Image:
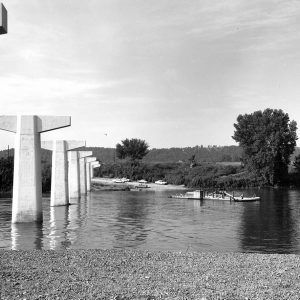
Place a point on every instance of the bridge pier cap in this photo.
(27, 183)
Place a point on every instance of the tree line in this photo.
(267, 140)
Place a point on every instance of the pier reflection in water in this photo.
(25, 236)
(152, 221)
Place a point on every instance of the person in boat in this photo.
(242, 196)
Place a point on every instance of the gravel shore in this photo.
(124, 275)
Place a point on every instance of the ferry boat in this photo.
(220, 195)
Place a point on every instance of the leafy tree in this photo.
(192, 161)
(268, 139)
(133, 149)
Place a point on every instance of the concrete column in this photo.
(94, 165)
(88, 160)
(3, 19)
(27, 186)
(59, 175)
(73, 172)
(82, 170)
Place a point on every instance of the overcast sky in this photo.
(175, 73)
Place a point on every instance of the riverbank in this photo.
(109, 182)
(124, 275)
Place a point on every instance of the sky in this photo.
(174, 73)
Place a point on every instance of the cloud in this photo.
(25, 95)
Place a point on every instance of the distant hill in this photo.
(202, 154)
(165, 155)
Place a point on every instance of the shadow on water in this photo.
(26, 236)
(270, 226)
(131, 219)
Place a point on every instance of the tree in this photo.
(192, 161)
(268, 139)
(133, 149)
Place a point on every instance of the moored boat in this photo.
(220, 195)
(161, 182)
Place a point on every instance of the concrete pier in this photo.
(88, 162)
(82, 170)
(27, 184)
(3, 19)
(59, 175)
(94, 165)
(74, 174)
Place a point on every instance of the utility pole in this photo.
(3, 19)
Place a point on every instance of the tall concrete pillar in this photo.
(59, 175)
(73, 172)
(3, 19)
(27, 186)
(82, 170)
(88, 161)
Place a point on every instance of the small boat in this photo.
(221, 196)
(143, 181)
(124, 179)
(161, 182)
(188, 195)
(141, 186)
(118, 180)
(246, 199)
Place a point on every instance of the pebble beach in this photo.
(126, 274)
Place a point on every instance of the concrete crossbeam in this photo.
(59, 175)
(27, 184)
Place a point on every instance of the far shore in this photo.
(109, 182)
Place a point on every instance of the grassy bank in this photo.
(205, 175)
(121, 274)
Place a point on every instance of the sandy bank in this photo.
(121, 274)
(152, 186)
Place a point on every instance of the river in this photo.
(150, 220)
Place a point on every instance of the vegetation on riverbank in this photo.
(206, 175)
(7, 174)
(268, 139)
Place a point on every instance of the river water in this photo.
(150, 220)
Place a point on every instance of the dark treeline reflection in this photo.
(270, 225)
(131, 221)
